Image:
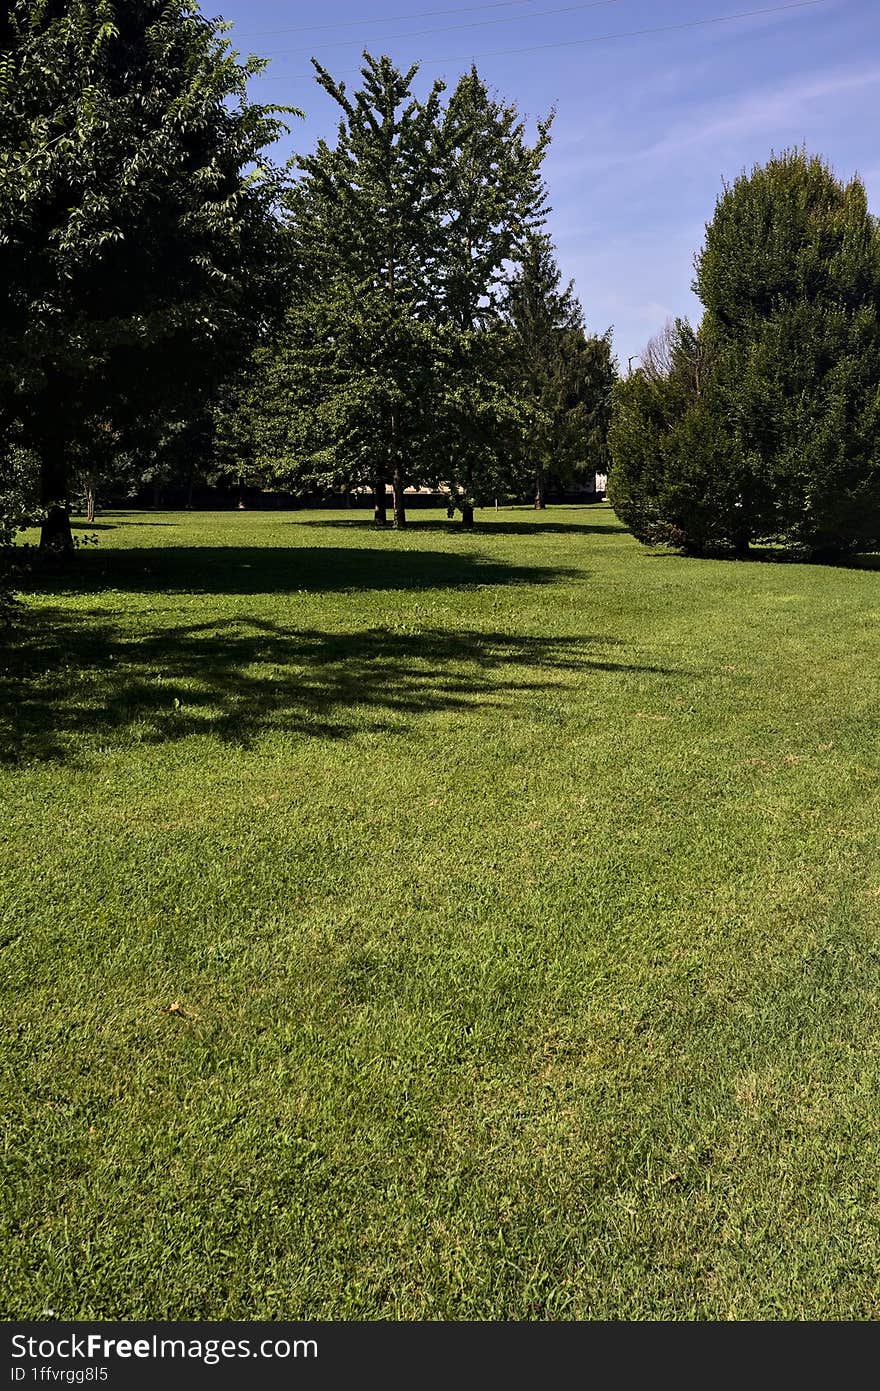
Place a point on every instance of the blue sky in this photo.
(647, 126)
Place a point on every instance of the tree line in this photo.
(384, 311)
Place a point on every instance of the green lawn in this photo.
(439, 927)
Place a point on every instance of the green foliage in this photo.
(391, 365)
(565, 376)
(18, 509)
(494, 202)
(777, 436)
(677, 476)
(337, 397)
(790, 277)
(139, 248)
(473, 443)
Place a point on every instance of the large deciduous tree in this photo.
(139, 247)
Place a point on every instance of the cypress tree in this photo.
(765, 424)
(790, 277)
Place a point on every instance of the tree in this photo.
(393, 363)
(677, 474)
(494, 201)
(139, 246)
(765, 423)
(18, 509)
(658, 355)
(790, 277)
(343, 394)
(565, 376)
(96, 463)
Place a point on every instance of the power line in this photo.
(576, 43)
(448, 28)
(383, 19)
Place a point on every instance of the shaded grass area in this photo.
(296, 569)
(530, 523)
(74, 683)
(500, 942)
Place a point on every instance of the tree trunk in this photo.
(399, 504)
(380, 502)
(55, 534)
(741, 540)
(90, 501)
(829, 554)
(467, 515)
(540, 489)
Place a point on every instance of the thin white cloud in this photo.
(781, 107)
(775, 110)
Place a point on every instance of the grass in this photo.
(439, 927)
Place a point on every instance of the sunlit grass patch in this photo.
(439, 926)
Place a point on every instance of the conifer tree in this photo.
(565, 376)
(394, 364)
(765, 423)
(493, 201)
(351, 373)
(790, 277)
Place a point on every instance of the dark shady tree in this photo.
(139, 242)
(18, 508)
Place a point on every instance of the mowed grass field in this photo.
(439, 926)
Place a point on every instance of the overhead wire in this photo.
(384, 19)
(450, 28)
(594, 38)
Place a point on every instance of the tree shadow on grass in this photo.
(273, 570)
(483, 526)
(768, 555)
(76, 684)
(80, 524)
